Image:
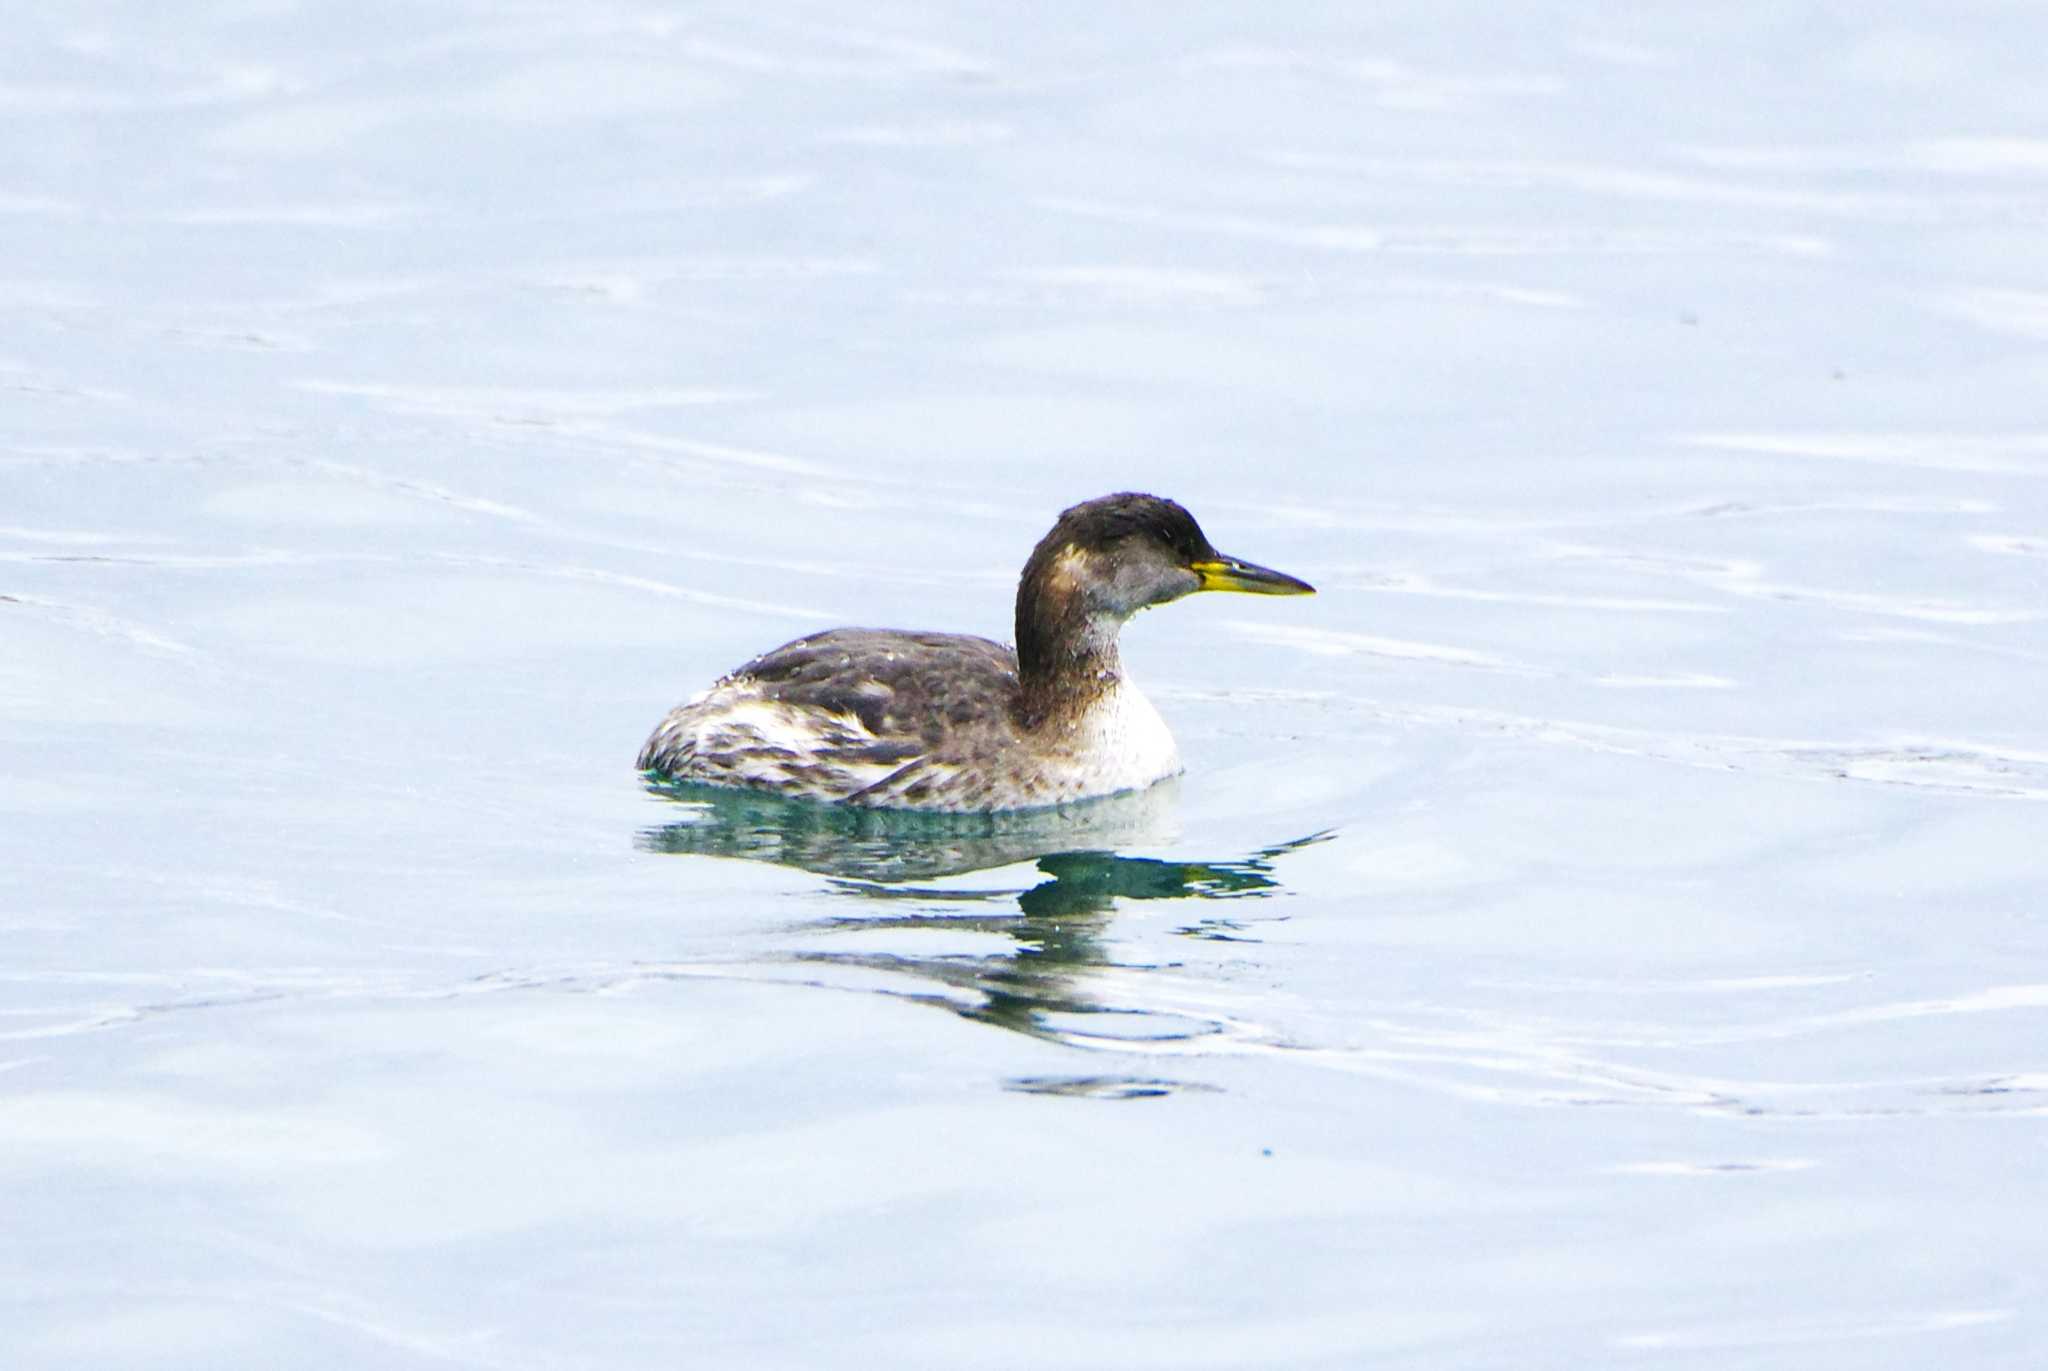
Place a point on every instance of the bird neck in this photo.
(1066, 654)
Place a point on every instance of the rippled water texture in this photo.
(1604, 927)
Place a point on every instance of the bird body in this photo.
(899, 720)
(951, 722)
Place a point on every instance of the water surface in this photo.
(1603, 927)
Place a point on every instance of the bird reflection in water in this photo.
(1058, 966)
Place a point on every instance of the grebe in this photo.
(954, 723)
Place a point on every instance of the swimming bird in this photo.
(948, 722)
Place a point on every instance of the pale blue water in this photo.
(1604, 927)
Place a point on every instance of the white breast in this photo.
(1124, 744)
